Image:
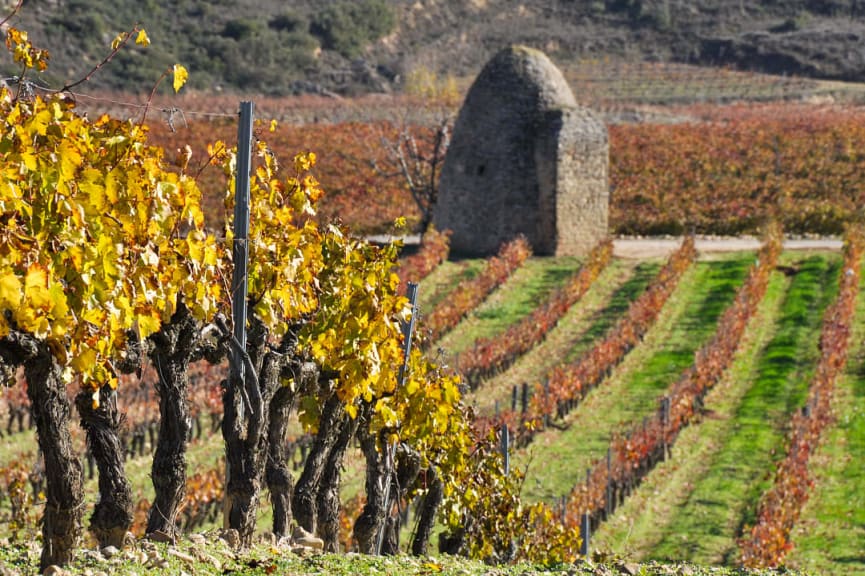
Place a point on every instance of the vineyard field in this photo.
(606, 302)
(634, 386)
(832, 527)
(712, 169)
(739, 436)
(739, 443)
(213, 359)
(530, 284)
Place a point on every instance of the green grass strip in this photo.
(830, 535)
(528, 286)
(704, 528)
(615, 308)
(642, 521)
(445, 278)
(686, 323)
(607, 300)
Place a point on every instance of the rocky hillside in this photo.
(297, 46)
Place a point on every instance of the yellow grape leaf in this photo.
(84, 360)
(70, 160)
(29, 160)
(112, 186)
(36, 286)
(59, 306)
(89, 183)
(147, 325)
(273, 125)
(351, 410)
(95, 316)
(142, 39)
(41, 121)
(180, 76)
(10, 291)
(115, 44)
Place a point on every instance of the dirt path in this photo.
(649, 247)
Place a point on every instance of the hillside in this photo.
(306, 46)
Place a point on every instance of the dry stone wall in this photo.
(524, 159)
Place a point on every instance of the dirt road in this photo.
(658, 247)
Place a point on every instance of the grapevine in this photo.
(766, 543)
(472, 292)
(490, 355)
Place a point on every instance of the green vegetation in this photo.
(638, 525)
(521, 294)
(348, 27)
(725, 497)
(304, 46)
(606, 301)
(709, 501)
(687, 321)
(831, 530)
(262, 47)
(444, 279)
(617, 305)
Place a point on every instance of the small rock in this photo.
(109, 551)
(217, 565)
(629, 568)
(231, 537)
(181, 555)
(198, 539)
(157, 562)
(301, 537)
(54, 570)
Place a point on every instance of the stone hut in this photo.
(524, 159)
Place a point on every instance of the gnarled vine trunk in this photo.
(243, 420)
(327, 502)
(428, 509)
(64, 493)
(305, 500)
(407, 469)
(279, 479)
(173, 349)
(113, 515)
(372, 518)
(250, 439)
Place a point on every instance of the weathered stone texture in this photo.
(524, 159)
